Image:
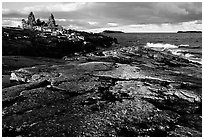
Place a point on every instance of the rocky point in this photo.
(130, 91)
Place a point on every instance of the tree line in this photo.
(31, 22)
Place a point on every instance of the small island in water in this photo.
(112, 31)
(189, 32)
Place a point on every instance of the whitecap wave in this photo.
(175, 50)
(189, 55)
(183, 45)
(161, 45)
(196, 60)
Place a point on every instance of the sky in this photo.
(99, 16)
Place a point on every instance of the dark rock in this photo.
(39, 43)
(185, 132)
(8, 94)
(127, 91)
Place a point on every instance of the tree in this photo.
(43, 23)
(31, 20)
(24, 25)
(51, 22)
(38, 22)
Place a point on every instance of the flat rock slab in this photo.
(129, 91)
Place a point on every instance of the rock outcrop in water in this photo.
(131, 91)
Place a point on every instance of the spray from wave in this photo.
(175, 50)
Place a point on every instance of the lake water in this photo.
(187, 45)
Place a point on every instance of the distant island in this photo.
(189, 32)
(112, 31)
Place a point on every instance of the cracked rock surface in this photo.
(131, 91)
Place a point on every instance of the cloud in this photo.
(92, 23)
(5, 10)
(178, 12)
(13, 23)
(123, 13)
(61, 20)
(198, 22)
(112, 24)
(119, 15)
(13, 14)
(54, 7)
(184, 26)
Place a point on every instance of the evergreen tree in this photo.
(31, 20)
(24, 25)
(51, 22)
(38, 22)
(43, 23)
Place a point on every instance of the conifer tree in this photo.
(24, 25)
(51, 22)
(31, 19)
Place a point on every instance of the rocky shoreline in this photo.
(130, 91)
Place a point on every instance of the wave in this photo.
(175, 50)
(178, 52)
(161, 45)
(183, 45)
(196, 60)
(184, 53)
(189, 55)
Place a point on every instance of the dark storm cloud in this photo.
(120, 13)
(14, 15)
(179, 12)
(137, 13)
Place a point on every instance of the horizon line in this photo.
(124, 31)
